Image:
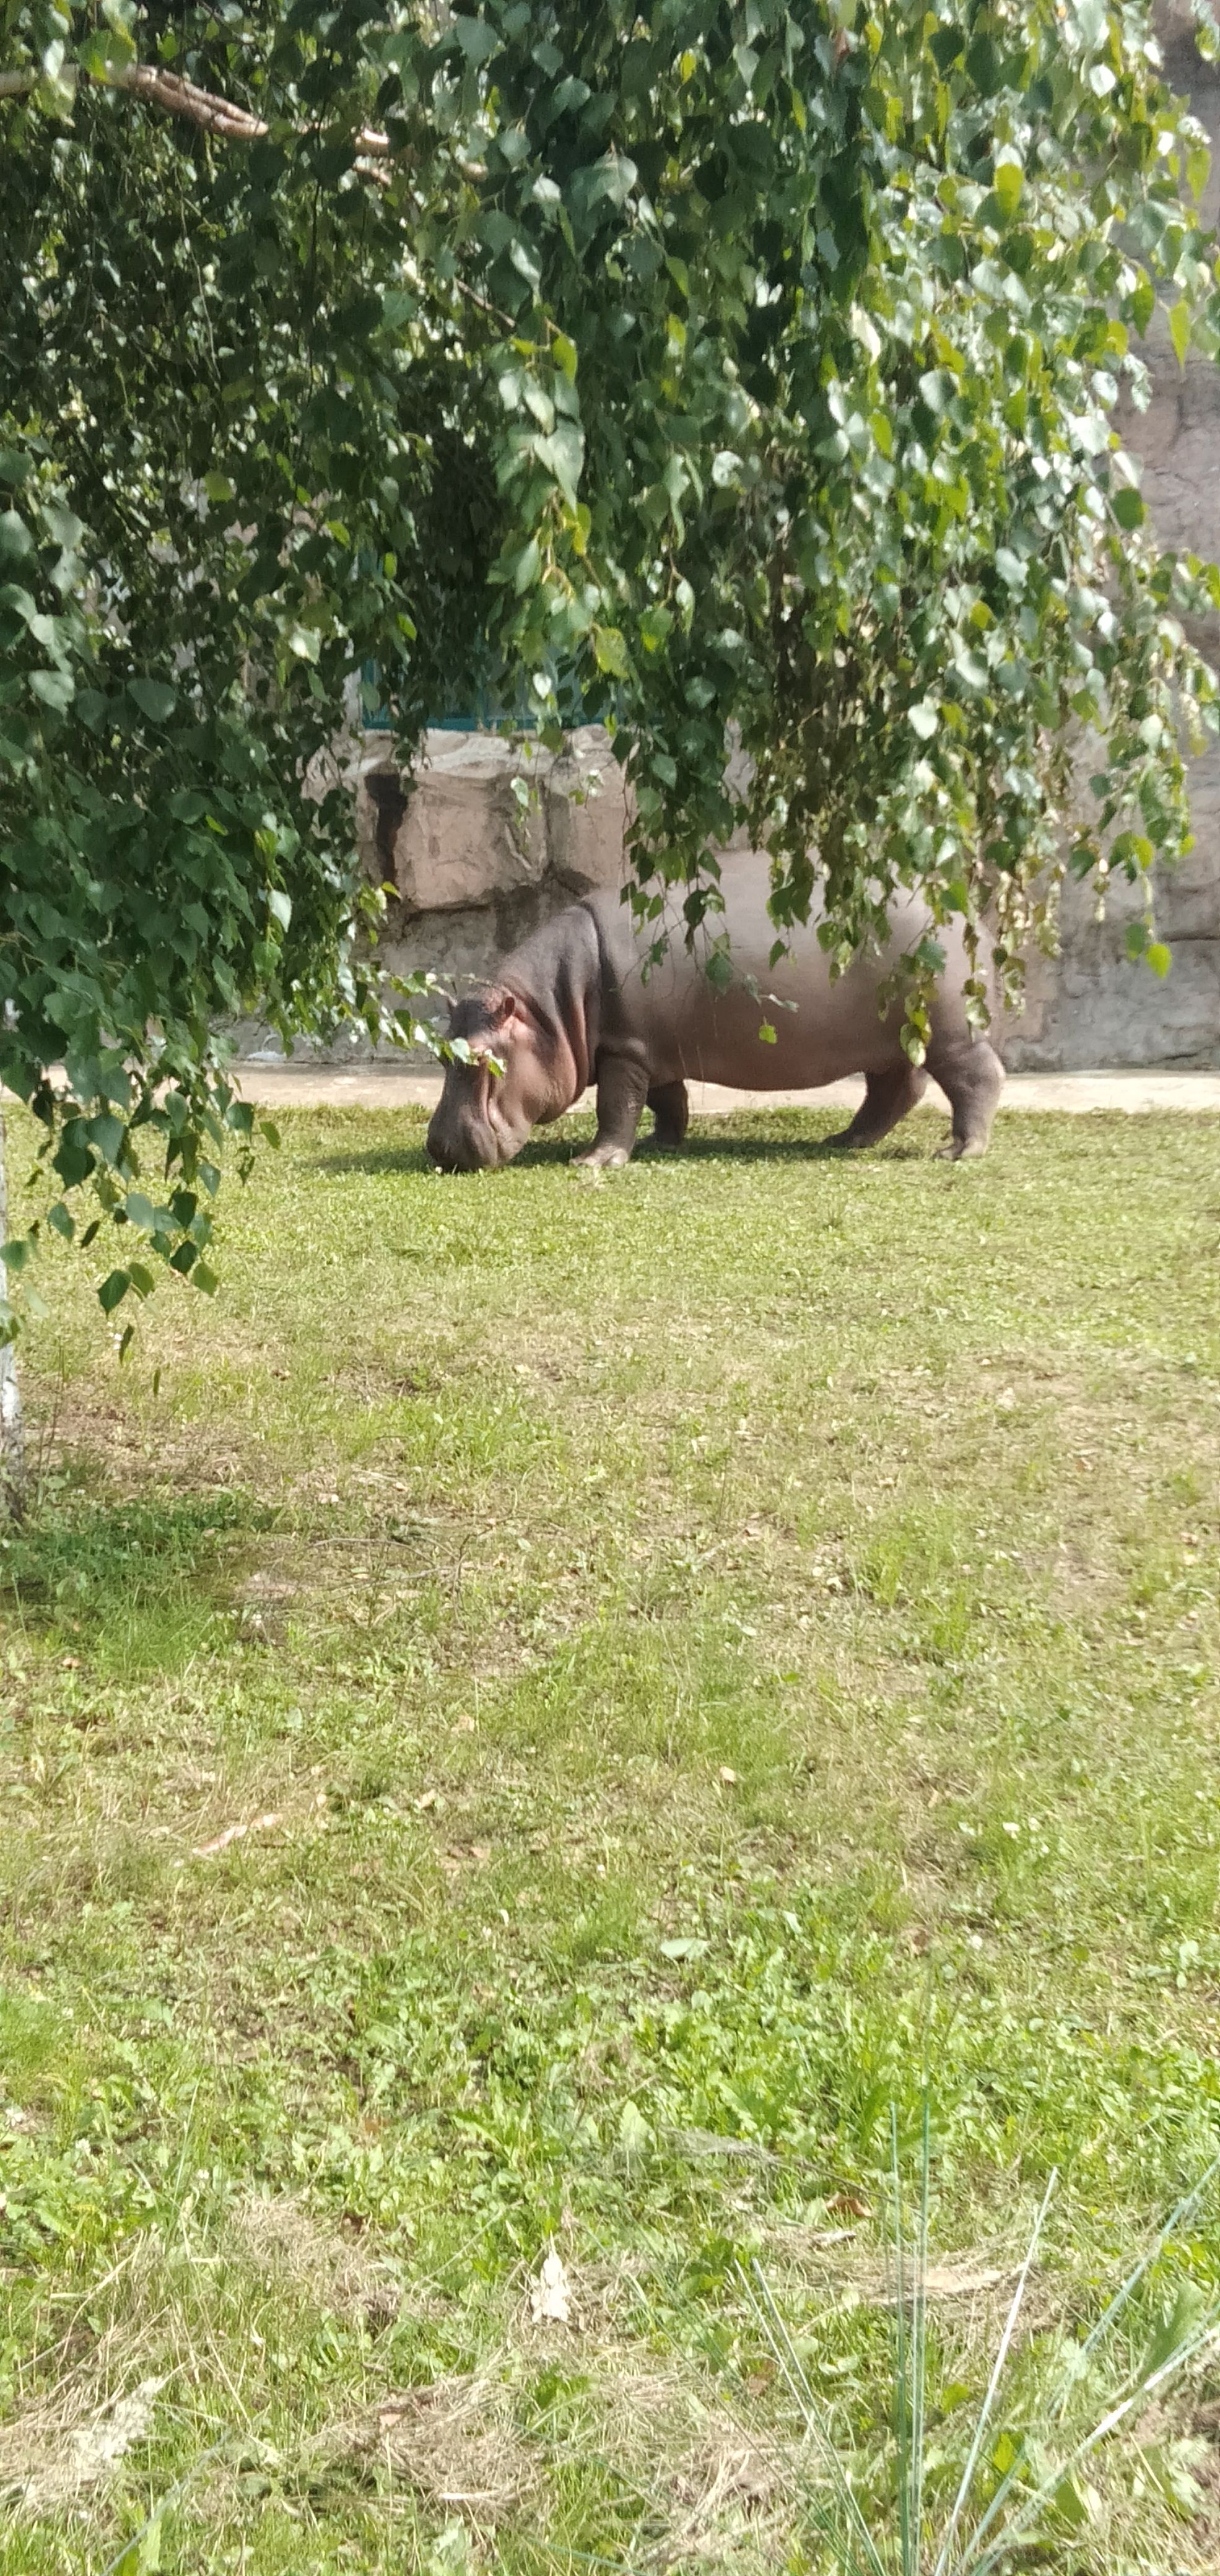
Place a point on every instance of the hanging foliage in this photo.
(754, 370)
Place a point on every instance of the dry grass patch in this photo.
(59, 2452)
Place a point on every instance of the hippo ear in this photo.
(503, 1023)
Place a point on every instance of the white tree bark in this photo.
(12, 1428)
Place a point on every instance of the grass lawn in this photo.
(701, 1660)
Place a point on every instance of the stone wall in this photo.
(489, 841)
(1091, 1006)
(484, 846)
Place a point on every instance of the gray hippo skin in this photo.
(572, 1006)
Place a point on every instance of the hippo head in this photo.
(484, 1118)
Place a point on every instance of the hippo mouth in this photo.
(467, 1153)
(472, 1134)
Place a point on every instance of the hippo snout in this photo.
(453, 1148)
(462, 1138)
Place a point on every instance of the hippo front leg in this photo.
(622, 1088)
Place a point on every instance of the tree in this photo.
(732, 365)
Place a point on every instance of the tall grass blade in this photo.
(902, 2406)
(789, 2363)
(1181, 2210)
(993, 2383)
(920, 2337)
(1101, 2432)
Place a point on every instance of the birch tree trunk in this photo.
(12, 1430)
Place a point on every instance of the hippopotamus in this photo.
(581, 1001)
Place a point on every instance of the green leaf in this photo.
(218, 487)
(1009, 182)
(15, 539)
(1159, 957)
(947, 47)
(924, 720)
(1174, 2328)
(56, 688)
(1074, 2502)
(478, 40)
(113, 1290)
(279, 906)
(154, 698)
(1143, 305)
(1179, 329)
(526, 567)
(1091, 22)
(610, 652)
(937, 389)
(120, 17)
(984, 68)
(656, 625)
(563, 455)
(635, 2136)
(204, 1279)
(1128, 508)
(107, 1135)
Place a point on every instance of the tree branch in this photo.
(179, 97)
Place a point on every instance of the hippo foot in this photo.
(603, 1158)
(844, 1142)
(961, 1150)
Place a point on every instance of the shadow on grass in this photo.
(141, 1576)
(719, 1146)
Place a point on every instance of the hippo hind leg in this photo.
(671, 1114)
(972, 1077)
(887, 1098)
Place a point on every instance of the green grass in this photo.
(727, 1651)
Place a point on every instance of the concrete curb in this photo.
(291, 1086)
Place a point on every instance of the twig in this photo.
(180, 97)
